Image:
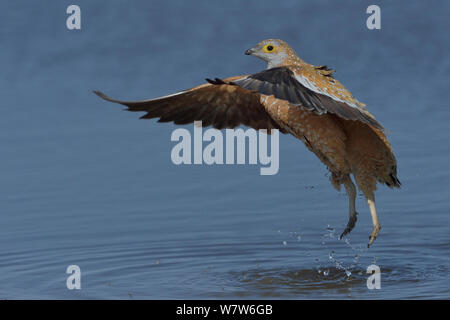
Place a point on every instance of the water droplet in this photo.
(284, 243)
(330, 255)
(326, 273)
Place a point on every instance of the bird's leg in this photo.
(351, 192)
(376, 223)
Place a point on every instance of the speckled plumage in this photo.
(297, 98)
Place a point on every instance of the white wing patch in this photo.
(310, 85)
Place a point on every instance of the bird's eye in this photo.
(269, 48)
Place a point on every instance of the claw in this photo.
(350, 225)
(373, 235)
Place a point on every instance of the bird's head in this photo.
(274, 51)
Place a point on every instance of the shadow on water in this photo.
(327, 283)
(303, 282)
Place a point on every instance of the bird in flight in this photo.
(296, 98)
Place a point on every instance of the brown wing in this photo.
(222, 106)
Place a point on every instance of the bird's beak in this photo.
(249, 51)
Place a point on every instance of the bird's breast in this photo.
(300, 121)
(322, 134)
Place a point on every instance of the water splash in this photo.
(346, 260)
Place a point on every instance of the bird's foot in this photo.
(373, 235)
(350, 225)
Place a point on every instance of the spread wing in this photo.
(315, 92)
(220, 105)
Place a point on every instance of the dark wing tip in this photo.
(99, 93)
(103, 96)
(216, 81)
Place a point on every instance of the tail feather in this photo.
(393, 181)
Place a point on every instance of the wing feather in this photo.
(220, 105)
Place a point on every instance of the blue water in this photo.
(84, 183)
